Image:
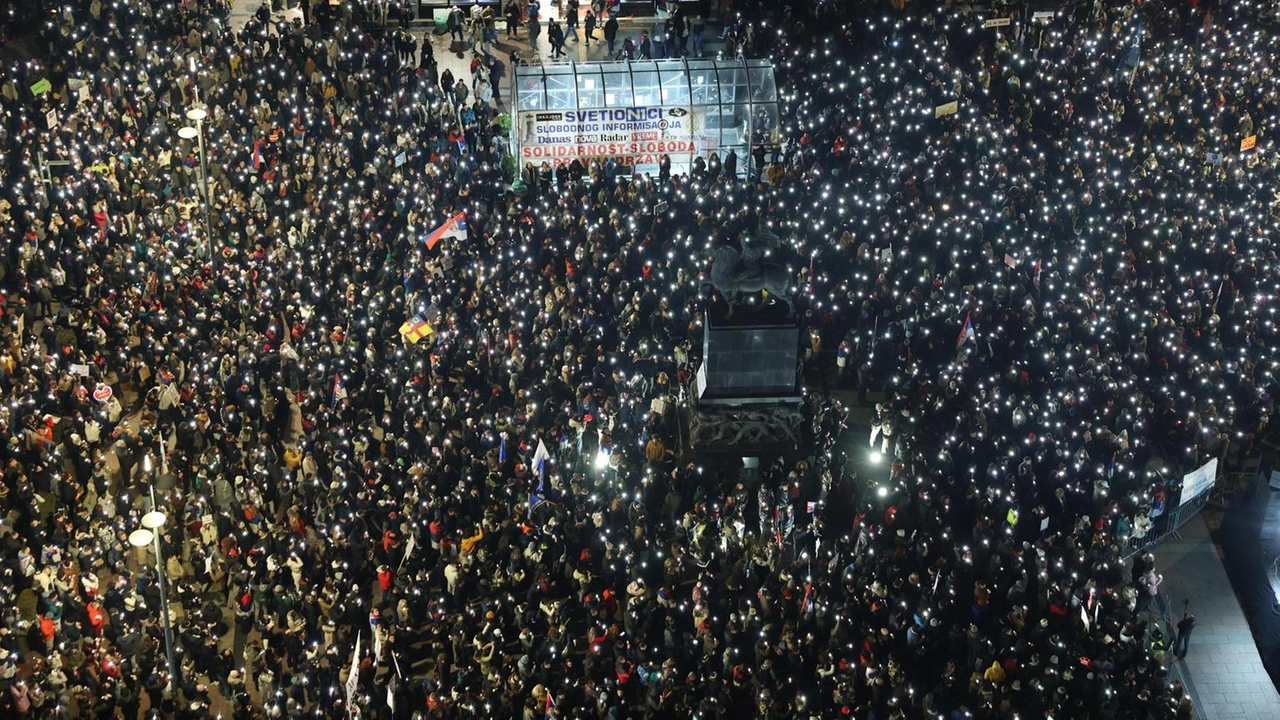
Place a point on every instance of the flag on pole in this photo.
(409, 547)
(454, 227)
(257, 154)
(551, 707)
(502, 449)
(540, 458)
(416, 328)
(353, 675)
(339, 390)
(811, 507)
(966, 332)
(535, 499)
(1133, 56)
(1035, 276)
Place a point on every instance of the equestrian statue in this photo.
(734, 273)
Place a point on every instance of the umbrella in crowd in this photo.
(400, 416)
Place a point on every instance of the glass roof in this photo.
(567, 86)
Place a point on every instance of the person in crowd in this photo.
(589, 27)
(555, 37)
(457, 23)
(611, 33)
(513, 15)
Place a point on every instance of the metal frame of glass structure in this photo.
(730, 104)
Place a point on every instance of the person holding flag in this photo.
(454, 227)
(415, 328)
(540, 457)
(339, 390)
(966, 332)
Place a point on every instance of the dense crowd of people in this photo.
(1060, 297)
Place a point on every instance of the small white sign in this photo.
(997, 22)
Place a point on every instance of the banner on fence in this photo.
(1199, 481)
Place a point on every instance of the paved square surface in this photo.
(1223, 665)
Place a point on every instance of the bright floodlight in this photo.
(876, 456)
(602, 460)
(141, 537)
(186, 132)
(882, 491)
(153, 520)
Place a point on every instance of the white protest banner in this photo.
(51, 119)
(79, 369)
(353, 675)
(1043, 15)
(945, 109)
(640, 134)
(1198, 481)
(997, 22)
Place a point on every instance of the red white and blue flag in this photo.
(966, 332)
(339, 390)
(454, 227)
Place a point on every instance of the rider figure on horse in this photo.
(753, 251)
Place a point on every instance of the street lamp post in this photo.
(196, 132)
(149, 534)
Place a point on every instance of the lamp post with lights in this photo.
(149, 534)
(196, 132)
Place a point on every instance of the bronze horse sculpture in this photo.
(732, 280)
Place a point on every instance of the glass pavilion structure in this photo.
(634, 112)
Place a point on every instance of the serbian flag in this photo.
(454, 227)
(1035, 277)
(966, 332)
(415, 329)
(339, 390)
(257, 154)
